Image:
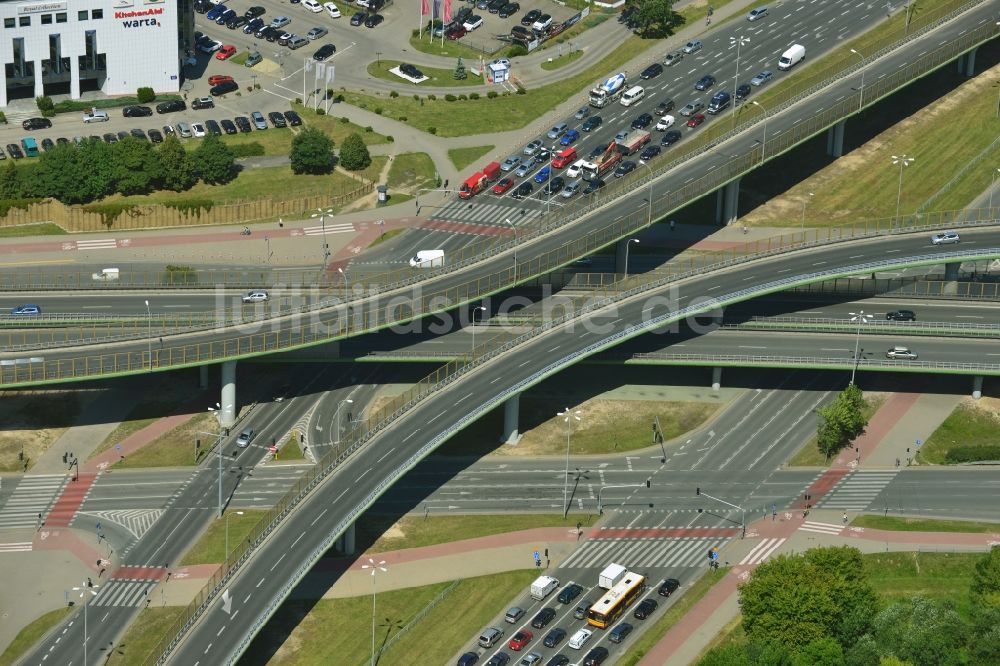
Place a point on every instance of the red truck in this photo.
(479, 181)
(604, 164)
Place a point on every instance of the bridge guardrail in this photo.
(907, 286)
(813, 361)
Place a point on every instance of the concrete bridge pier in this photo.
(716, 378)
(835, 140)
(511, 414)
(960, 61)
(203, 377)
(227, 410)
(727, 199)
(977, 387)
(621, 253)
(951, 270)
(345, 542)
(970, 63)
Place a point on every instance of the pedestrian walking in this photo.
(845, 517)
(672, 223)
(745, 230)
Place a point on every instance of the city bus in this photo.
(616, 600)
(30, 147)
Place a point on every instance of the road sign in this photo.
(537, 557)
(919, 443)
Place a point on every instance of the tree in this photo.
(653, 19)
(794, 601)
(312, 152)
(214, 160)
(823, 652)
(10, 182)
(921, 631)
(733, 654)
(985, 586)
(179, 172)
(354, 153)
(459, 73)
(145, 95)
(841, 421)
(138, 169)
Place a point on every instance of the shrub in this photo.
(252, 149)
(972, 453)
(432, 97)
(49, 113)
(298, 100)
(402, 119)
(450, 98)
(378, 110)
(492, 94)
(45, 103)
(432, 130)
(368, 129)
(321, 111)
(344, 119)
(462, 97)
(473, 95)
(416, 98)
(393, 93)
(517, 51)
(521, 91)
(389, 138)
(145, 95)
(3, 117)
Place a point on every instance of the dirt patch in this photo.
(34, 420)
(984, 404)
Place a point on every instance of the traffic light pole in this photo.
(698, 493)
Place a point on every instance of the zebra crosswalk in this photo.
(639, 554)
(821, 528)
(339, 228)
(762, 550)
(123, 593)
(486, 213)
(33, 495)
(857, 490)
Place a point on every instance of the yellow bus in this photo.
(616, 600)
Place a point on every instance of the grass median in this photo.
(409, 172)
(211, 547)
(439, 77)
(810, 455)
(31, 634)
(141, 637)
(896, 524)
(34, 229)
(967, 425)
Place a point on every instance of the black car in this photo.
(558, 660)
(277, 119)
(530, 17)
(228, 126)
(591, 123)
(168, 130)
(171, 106)
(670, 138)
(652, 71)
(15, 151)
(293, 118)
(110, 137)
(592, 187)
(373, 20)
(254, 12)
(253, 26)
(597, 151)
(595, 657)
(901, 315)
(619, 633)
(135, 111)
(155, 136)
(555, 186)
(36, 123)
(509, 10)
(139, 134)
(543, 617)
(223, 88)
(626, 167)
(743, 91)
(569, 593)
(324, 52)
(359, 18)
(649, 153)
(411, 71)
(668, 587)
(123, 135)
(47, 144)
(237, 22)
(493, 7)
(271, 33)
(643, 121)
(554, 637)
(202, 6)
(705, 82)
(523, 190)
(213, 127)
(61, 140)
(645, 609)
(243, 123)
(499, 659)
(265, 32)
(664, 107)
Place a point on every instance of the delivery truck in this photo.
(543, 587)
(795, 54)
(479, 181)
(427, 259)
(611, 576)
(633, 141)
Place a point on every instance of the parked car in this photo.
(472, 23)
(293, 118)
(533, 147)
(280, 22)
(36, 124)
(523, 190)
(135, 111)
(198, 130)
(216, 79)
(184, 130)
(243, 123)
(228, 126)
(543, 174)
(332, 10)
(503, 185)
(253, 58)
(258, 120)
(277, 119)
(316, 33)
(203, 103)
(155, 136)
(510, 163)
(224, 88)
(530, 17)
(47, 144)
(171, 106)
(324, 52)
(509, 10)
(95, 117)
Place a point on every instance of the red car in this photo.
(520, 639)
(227, 51)
(695, 120)
(216, 79)
(456, 33)
(504, 185)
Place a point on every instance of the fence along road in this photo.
(259, 573)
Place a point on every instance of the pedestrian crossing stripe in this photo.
(485, 213)
(644, 552)
(20, 546)
(857, 490)
(762, 551)
(821, 528)
(123, 593)
(33, 495)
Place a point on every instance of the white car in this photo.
(473, 23)
(198, 129)
(332, 10)
(312, 6)
(666, 122)
(945, 238)
(900, 352)
(576, 169)
(542, 24)
(578, 639)
(502, 61)
(256, 296)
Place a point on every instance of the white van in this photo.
(543, 587)
(795, 54)
(633, 95)
(427, 259)
(106, 275)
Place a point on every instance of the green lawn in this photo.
(411, 171)
(923, 524)
(605, 426)
(209, 549)
(557, 61)
(415, 531)
(175, 448)
(966, 426)
(463, 117)
(439, 77)
(142, 415)
(463, 157)
(141, 637)
(240, 58)
(809, 455)
(469, 48)
(31, 634)
(392, 233)
(305, 629)
(39, 229)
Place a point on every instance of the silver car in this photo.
(692, 108)
(533, 147)
(582, 112)
(184, 130)
(557, 130)
(692, 46)
(945, 238)
(899, 352)
(761, 78)
(317, 32)
(512, 162)
(523, 170)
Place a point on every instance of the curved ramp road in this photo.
(226, 629)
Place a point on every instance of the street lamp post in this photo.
(860, 318)
(804, 202)
(149, 335)
(336, 417)
(861, 92)
(569, 418)
(83, 590)
(763, 141)
(218, 448)
(473, 325)
(343, 273)
(627, 243)
(902, 161)
(226, 554)
(511, 224)
(374, 567)
(738, 41)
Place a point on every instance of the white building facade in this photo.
(115, 46)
